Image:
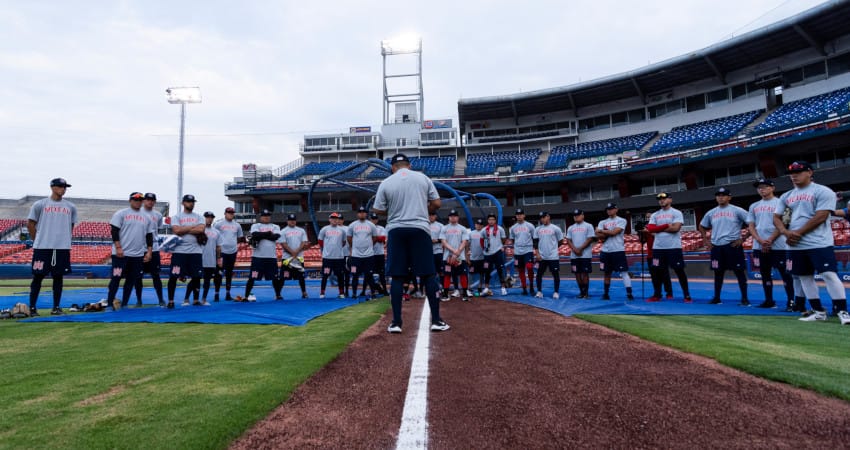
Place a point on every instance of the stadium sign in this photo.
(355, 130)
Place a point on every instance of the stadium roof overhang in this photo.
(812, 29)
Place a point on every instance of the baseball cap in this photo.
(491, 215)
(799, 166)
(290, 216)
(209, 214)
(335, 215)
(577, 212)
(265, 212)
(59, 182)
(401, 157)
(229, 210)
(722, 191)
(479, 221)
(519, 211)
(150, 196)
(361, 209)
(373, 216)
(611, 206)
(663, 195)
(189, 198)
(765, 181)
(453, 213)
(543, 214)
(137, 196)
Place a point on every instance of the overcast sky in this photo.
(82, 83)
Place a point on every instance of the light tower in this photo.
(403, 45)
(182, 96)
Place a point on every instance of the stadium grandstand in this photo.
(722, 115)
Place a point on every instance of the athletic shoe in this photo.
(394, 328)
(196, 303)
(405, 297)
(583, 296)
(185, 303)
(469, 293)
(688, 299)
(630, 297)
(767, 305)
(304, 295)
(455, 293)
(321, 295)
(504, 291)
(340, 296)
(524, 291)
(606, 297)
(843, 317)
(139, 304)
(170, 305)
(251, 298)
(439, 326)
(215, 299)
(444, 299)
(418, 294)
(715, 301)
(531, 291)
(56, 312)
(744, 302)
(486, 291)
(116, 304)
(228, 298)
(556, 296)
(466, 299)
(205, 303)
(538, 295)
(653, 299)
(161, 304)
(669, 297)
(812, 316)
(278, 297)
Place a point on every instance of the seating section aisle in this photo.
(560, 155)
(807, 110)
(487, 163)
(433, 166)
(703, 133)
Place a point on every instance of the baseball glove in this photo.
(453, 261)
(786, 217)
(202, 239)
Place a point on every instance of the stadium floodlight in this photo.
(407, 43)
(182, 96)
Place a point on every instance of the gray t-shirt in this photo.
(549, 238)
(436, 228)
(55, 220)
(476, 251)
(133, 225)
(213, 237)
(188, 242)
(361, 233)
(453, 236)
(230, 231)
(405, 195)
(266, 248)
(332, 238)
(578, 233)
(155, 217)
(378, 248)
(761, 215)
(493, 236)
(523, 236)
(725, 223)
(613, 243)
(346, 249)
(665, 240)
(293, 237)
(804, 203)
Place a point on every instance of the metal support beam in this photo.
(638, 90)
(720, 75)
(816, 44)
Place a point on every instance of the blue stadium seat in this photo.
(433, 166)
(560, 156)
(703, 133)
(807, 110)
(487, 163)
(321, 168)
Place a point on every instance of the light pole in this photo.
(182, 96)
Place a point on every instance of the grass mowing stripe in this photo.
(85, 385)
(808, 355)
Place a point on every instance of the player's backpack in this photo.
(20, 310)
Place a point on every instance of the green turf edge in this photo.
(804, 354)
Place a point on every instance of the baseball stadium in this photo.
(755, 360)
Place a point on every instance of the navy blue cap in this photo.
(492, 215)
(543, 214)
(611, 206)
(519, 211)
(577, 212)
(209, 214)
(265, 212)
(453, 213)
(373, 216)
(663, 195)
(189, 198)
(401, 157)
(150, 196)
(290, 217)
(362, 209)
(799, 166)
(479, 221)
(763, 181)
(722, 191)
(137, 196)
(59, 182)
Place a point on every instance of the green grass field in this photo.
(814, 356)
(96, 385)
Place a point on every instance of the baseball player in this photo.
(211, 259)
(294, 241)
(476, 255)
(649, 239)
(522, 237)
(612, 257)
(666, 225)
(580, 237)
(153, 266)
(187, 257)
(726, 245)
(230, 234)
(455, 239)
(492, 241)
(379, 261)
(264, 236)
(331, 240)
(810, 241)
(769, 248)
(547, 239)
(49, 223)
(437, 247)
(407, 197)
(362, 236)
(132, 245)
(346, 251)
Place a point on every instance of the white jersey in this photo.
(804, 203)
(332, 238)
(761, 215)
(492, 237)
(230, 233)
(405, 195)
(293, 237)
(665, 240)
(266, 248)
(453, 236)
(55, 220)
(523, 236)
(133, 226)
(613, 243)
(362, 233)
(725, 223)
(549, 238)
(188, 242)
(578, 234)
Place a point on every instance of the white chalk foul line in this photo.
(413, 433)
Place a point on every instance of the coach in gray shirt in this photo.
(406, 197)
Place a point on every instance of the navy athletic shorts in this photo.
(726, 257)
(476, 266)
(520, 260)
(360, 265)
(554, 266)
(664, 258)
(581, 265)
(459, 269)
(153, 265)
(330, 266)
(807, 262)
(410, 248)
(122, 267)
(48, 261)
(494, 261)
(187, 265)
(613, 262)
(777, 259)
(379, 263)
(264, 268)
